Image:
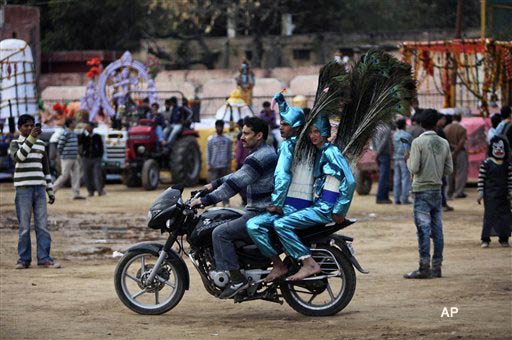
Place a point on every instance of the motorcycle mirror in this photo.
(179, 187)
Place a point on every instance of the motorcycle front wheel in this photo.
(326, 293)
(137, 293)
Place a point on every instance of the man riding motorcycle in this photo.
(257, 175)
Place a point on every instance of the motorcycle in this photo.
(151, 278)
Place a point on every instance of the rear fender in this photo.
(172, 257)
(340, 241)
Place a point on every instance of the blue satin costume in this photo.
(258, 227)
(333, 188)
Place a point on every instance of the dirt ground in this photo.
(79, 301)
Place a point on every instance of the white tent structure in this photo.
(234, 109)
(18, 93)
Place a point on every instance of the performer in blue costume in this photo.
(333, 190)
(361, 106)
(286, 199)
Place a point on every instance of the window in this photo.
(301, 54)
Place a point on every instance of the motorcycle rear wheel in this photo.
(148, 298)
(324, 296)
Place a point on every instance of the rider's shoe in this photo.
(233, 289)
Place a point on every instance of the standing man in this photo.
(505, 126)
(441, 123)
(257, 175)
(92, 153)
(68, 151)
(382, 148)
(415, 128)
(32, 181)
(401, 178)
(218, 155)
(430, 159)
(456, 135)
(269, 115)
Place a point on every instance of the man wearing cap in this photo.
(283, 201)
(91, 150)
(333, 188)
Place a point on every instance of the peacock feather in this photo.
(333, 90)
(381, 88)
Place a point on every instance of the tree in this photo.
(91, 24)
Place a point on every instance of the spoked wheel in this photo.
(328, 292)
(144, 297)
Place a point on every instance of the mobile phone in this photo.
(38, 125)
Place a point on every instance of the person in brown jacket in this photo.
(456, 135)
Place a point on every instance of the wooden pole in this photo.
(483, 17)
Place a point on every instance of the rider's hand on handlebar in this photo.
(196, 202)
(338, 219)
(208, 187)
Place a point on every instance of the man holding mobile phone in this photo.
(32, 181)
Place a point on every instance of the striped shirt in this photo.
(256, 176)
(32, 167)
(218, 152)
(68, 145)
(486, 179)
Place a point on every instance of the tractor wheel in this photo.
(364, 182)
(150, 174)
(130, 178)
(185, 161)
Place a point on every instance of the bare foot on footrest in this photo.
(307, 269)
(276, 273)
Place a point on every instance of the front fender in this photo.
(172, 257)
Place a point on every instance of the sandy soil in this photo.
(79, 301)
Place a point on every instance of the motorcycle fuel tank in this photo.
(209, 220)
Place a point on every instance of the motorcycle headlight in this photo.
(141, 149)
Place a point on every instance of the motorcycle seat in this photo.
(323, 230)
(308, 235)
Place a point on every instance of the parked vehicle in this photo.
(151, 278)
(145, 158)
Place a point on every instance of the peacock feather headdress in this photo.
(370, 94)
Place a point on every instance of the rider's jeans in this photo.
(428, 220)
(224, 237)
(32, 199)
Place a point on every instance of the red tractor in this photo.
(145, 158)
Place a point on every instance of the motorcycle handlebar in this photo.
(198, 193)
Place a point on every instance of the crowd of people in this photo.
(429, 156)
